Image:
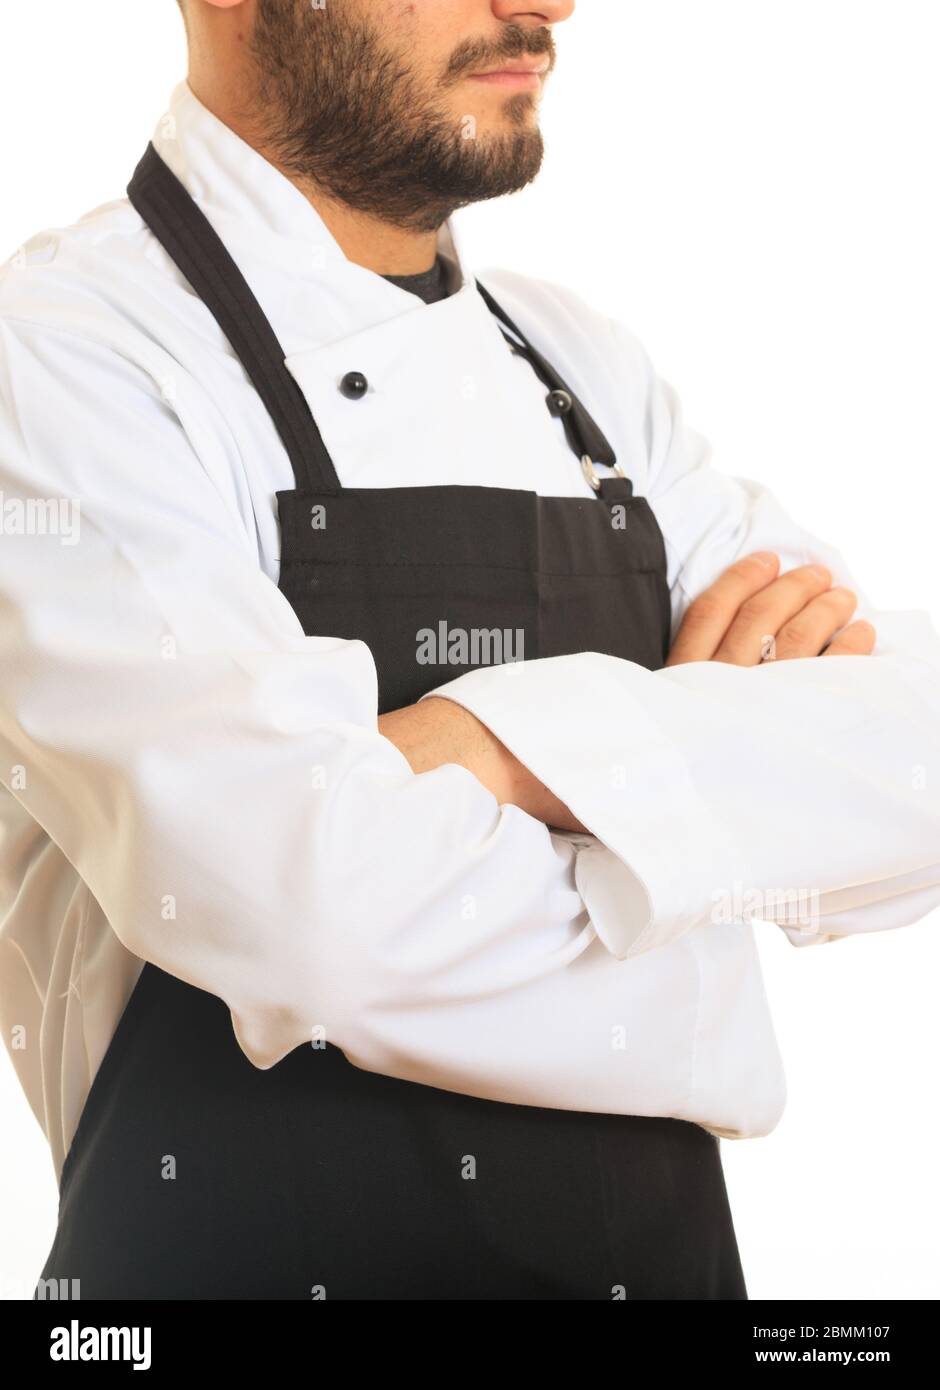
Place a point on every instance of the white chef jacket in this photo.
(191, 780)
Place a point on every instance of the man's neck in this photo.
(367, 240)
(364, 239)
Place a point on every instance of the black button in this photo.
(354, 386)
(559, 402)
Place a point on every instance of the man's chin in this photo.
(507, 161)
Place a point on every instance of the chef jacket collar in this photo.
(276, 235)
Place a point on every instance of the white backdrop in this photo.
(751, 185)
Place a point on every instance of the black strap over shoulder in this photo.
(190, 240)
(584, 434)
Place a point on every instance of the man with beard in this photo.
(355, 960)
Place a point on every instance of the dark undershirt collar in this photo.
(430, 285)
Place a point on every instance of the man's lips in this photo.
(519, 73)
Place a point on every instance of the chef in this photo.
(410, 730)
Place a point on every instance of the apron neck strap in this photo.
(584, 434)
(189, 239)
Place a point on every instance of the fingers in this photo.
(783, 608)
(858, 639)
(751, 614)
(808, 631)
(708, 617)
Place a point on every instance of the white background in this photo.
(751, 185)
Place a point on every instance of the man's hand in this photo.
(750, 615)
(437, 731)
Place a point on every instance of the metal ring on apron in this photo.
(589, 471)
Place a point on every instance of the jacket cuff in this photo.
(622, 778)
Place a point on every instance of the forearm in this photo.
(436, 732)
(669, 786)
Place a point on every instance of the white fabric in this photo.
(193, 781)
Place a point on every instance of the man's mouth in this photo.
(523, 74)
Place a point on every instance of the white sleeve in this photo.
(217, 778)
(804, 792)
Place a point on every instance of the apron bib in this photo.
(316, 1175)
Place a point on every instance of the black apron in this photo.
(315, 1178)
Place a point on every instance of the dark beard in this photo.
(341, 110)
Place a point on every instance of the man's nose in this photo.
(533, 16)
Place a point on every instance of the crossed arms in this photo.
(423, 902)
(802, 611)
